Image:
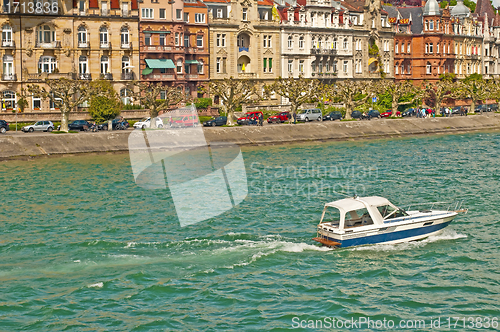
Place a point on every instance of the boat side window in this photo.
(332, 215)
(388, 212)
(359, 217)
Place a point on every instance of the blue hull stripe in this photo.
(390, 236)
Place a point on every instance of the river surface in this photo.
(82, 247)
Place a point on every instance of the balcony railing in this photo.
(159, 77)
(52, 44)
(125, 13)
(9, 77)
(246, 75)
(243, 49)
(107, 76)
(8, 43)
(85, 76)
(128, 76)
(42, 76)
(83, 45)
(126, 46)
(191, 76)
(326, 51)
(105, 45)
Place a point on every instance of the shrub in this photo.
(203, 103)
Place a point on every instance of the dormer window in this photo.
(431, 25)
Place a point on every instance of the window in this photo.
(179, 66)
(219, 13)
(431, 48)
(46, 34)
(37, 102)
(8, 65)
(176, 39)
(408, 48)
(9, 100)
(124, 9)
(147, 39)
(199, 41)
(396, 48)
(290, 66)
(83, 65)
(82, 35)
(126, 64)
(200, 67)
(268, 65)
(47, 64)
(199, 18)
(345, 66)
(223, 40)
(104, 64)
(426, 48)
(186, 40)
(147, 13)
(426, 25)
(103, 36)
(335, 43)
(409, 69)
(431, 25)
(218, 40)
(402, 69)
(187, 68)
(290, 42)
(124, 36)
(162, 13)
(267, 41)
(162, 39)
(428, 68)
(346, 44)
(396, 70)
(178, 14)
(125, 96)
(218, 65)
(301, 66)
(81, 6)
(437, 48)
(301, 42)
(104, 8)
(402, 47)
(186, 17)
(6, 35)
(245, 14)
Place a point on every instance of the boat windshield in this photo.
(388, 212)
(332, 215)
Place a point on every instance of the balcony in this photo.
(159, 77)
(104, 12)
(83, 45)
(128, 76)
(315, 51)
(107, 76)
(106, 46)
(243, 49)
(52, 44)
(9, 77)
(38, 77)
(191, 76)
(196, 50)
(246, 75)
(8, 43)
(125, 13)
(85, 76)
(162, 48)
(126, 46)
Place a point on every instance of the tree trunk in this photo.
(152, 122)
(473, 106)
(230, 116)
(348, 110)
(437, 105)
(64, 120)
(293, 109)
(394, 106)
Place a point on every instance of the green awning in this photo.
(156, 31)
(191, 62)
(147, 71)
(160, 63)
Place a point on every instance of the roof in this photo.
(195, 4)
(217, 1)
(484, 7)
(353, 5)
(265, 3)
(460, 10)
(350, 204)
(432, 8)
(391, 11)
(415, 13)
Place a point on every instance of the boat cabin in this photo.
(360, 211)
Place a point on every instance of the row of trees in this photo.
(353, 94)
(105, 103)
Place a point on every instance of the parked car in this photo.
(39, 126)
(493, 107)
(183, 121)
(79, 125)
(335, 115)
(356, 115)
(388, 113)
(279, 118)
(371, 114)
(218, 121)
(114, 123)
(4, 126)
(145, 123)
(249, 117)
(484, 108)
(309, 115)
(409, 112)
(456, 110)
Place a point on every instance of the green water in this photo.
(83, 248)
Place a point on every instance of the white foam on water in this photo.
(96, 285)
(130, 244)
(76, 261)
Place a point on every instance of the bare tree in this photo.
(351, 93)
(233, 93)
(402, 93)
(445, 88)
(297, 90)
(65, 94)
(148, 95)
(473, 87)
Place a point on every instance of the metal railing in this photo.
(85, 76)
(8, 43)
(52, 44)
(9, 77)
(447, 206)
(107, 76)
(128, 76)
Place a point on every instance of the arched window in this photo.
(7, 35)
(428, 68)
(431, 25)
(8, 67)
(396, 68)
(179, 66)
(126, 96)
(320, 43)
(104, 64)
(103, 36)
(301, 42)
(334, 43)
(47, 64)
(402, 47)
(46, 34)
(346, 44)
(408, 49)
(124, 33)
(290, 42)
(82, 36)
(83, 65)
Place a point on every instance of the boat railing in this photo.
(455, 206)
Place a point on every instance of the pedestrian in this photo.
(294, 117)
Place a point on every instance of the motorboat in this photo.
(359, 221)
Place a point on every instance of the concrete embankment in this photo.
(19, 145)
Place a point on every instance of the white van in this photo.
(309, 115)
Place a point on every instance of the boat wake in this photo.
(447, 234)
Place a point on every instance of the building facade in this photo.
(174, 44)
(84, 39)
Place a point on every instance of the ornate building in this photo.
(174, 44)
(72, 39)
